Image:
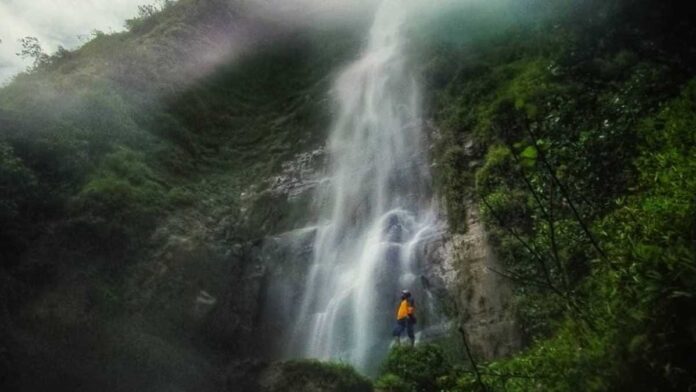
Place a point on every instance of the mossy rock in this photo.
(305, 376)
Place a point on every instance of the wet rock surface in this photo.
(465, 274)
(299, 175)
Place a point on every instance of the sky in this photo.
(66, 23)
(69, 23)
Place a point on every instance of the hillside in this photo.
(575, 138)
(151, 178)
(127, 172)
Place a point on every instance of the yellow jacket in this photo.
(405, 309)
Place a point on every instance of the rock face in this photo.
(282, 255)
(298, 176)
(233, 291)
(460, 284)
(466, 273)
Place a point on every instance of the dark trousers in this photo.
(404, 324)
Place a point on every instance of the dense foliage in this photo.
(108, 154)
(419, 369)
(581, 134)
(315, 376)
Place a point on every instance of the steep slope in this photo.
(573, 138)
(137, 171)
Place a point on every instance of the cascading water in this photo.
(376, 206)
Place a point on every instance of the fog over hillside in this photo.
(67, 23)
(71, 23)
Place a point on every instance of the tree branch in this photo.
(562, 188)
(473, 362)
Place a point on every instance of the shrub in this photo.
(417, 369)
(312, 375)
(392, 383)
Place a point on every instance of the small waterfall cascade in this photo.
(375, 209)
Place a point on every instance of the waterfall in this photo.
(376, 206)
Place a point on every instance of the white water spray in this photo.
(377, 205)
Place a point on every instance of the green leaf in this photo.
(529, 153)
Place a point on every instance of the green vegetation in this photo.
(315, 376)
(583, 160)
(135, 168)
(125, 168)
(419, 369)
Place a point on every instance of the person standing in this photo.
(405, 318)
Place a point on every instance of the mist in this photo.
(57, 24)
(67, 23)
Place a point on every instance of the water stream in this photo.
(377, 206)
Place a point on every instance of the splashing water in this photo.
(377, 206)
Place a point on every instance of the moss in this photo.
(310, 375)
